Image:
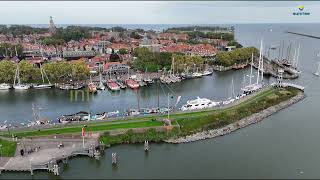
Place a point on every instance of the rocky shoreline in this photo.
(254, 118)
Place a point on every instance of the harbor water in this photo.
(284, 145)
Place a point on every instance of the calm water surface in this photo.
(284, 145)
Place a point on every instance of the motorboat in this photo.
(21, 87)
(199, 103)
(113, 113)
(4, 86)
(100, 116)
(112, 85)
(43, 86)
(92, 87)
(207, 73)
(132, 84)
(133, 112)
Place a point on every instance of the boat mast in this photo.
(298, 54)
(18, 75)
(262, 64)
(15, 75)
(251, 68)
(232, 88)
(168, 106)
(258, 76)
(41, 73)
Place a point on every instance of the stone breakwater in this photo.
(254, 118)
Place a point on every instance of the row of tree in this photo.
(211, 35)
(237, 56)
(64, 35)
(57, 71)
(181, 62)
(154, 61)
(10, 50)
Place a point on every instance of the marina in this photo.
(247, 138)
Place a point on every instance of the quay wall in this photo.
(252, 119)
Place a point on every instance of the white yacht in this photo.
(4, 86)
(207, 73)
(199, 103)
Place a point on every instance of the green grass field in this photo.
(8, 148)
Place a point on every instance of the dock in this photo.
(50, 153)
(270, 68)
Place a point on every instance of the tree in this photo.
(123, 51)
(80, 71)
(240, 55)
(7, 71)
(28, 73)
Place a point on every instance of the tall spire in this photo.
(52, 27)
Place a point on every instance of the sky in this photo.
(156, 12)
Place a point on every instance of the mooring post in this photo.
(114, 158)
(97, 154)
(146, 146)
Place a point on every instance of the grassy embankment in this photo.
(206, 120)
(8, 148)
(190, 122)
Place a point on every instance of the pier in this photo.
(270, 67)
(52, 151)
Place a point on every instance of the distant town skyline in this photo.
(156, 12)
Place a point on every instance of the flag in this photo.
(83, 132)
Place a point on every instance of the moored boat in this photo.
(4, 86)
(199, 103)
(207, 73)
(92, 87)
(121, 85)
(112, 85)
(132, 84)
(133, 112)
(43, 86)
(18, 85)
(196, 75)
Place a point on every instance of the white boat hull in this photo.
(43, 86)
(4, 87)
(21, 87)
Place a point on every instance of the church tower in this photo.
(52, 27)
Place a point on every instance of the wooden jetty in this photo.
(48, 158)
(271, 68)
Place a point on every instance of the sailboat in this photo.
(252, 87)
(101, 86)
(317, 73)
(230, 99)
(43, 86)
(18, 85)
(197, 74)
